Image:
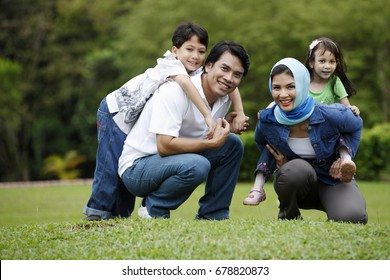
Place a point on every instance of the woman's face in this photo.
(283, 91)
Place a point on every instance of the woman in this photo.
(302, 139)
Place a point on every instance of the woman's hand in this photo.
(279, 157)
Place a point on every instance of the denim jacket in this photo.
(330, 127)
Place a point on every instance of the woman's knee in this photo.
(344, 203)
(356, 215)
(295, 172)
(355, 218)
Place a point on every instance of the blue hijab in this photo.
(304, 103)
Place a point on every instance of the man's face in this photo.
(223, 76)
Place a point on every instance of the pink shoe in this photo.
(255, 197)
(347, 170)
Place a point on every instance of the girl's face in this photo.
(323, 65)
(283, 91)
(192, 54)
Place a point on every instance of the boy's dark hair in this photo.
(326, 44)
(186, 30)
(233, 48)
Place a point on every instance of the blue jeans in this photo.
(167, 182)
(109, 196)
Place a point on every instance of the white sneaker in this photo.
(143, 212)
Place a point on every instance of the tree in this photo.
(59, 58)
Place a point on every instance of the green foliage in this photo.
(11, 109)
(10, 94)
(63, 167)
(372, 158)
(250, 158)
(72, 53)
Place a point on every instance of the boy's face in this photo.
(192, 54)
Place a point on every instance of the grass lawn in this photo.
(45, 223)
(38, 205)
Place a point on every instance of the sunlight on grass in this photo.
(65, 204)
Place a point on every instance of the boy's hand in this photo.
(239, 122)
(211, 124)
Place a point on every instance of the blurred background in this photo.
(59, 58)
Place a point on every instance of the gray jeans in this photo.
(297, 188)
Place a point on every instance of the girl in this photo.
(329, 84)
(328, 80)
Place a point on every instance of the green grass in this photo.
(45, 223)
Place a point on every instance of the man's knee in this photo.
(198, 168)
(235, 144)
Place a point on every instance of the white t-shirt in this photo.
(170, 112)
(130, 98)
(302, 147)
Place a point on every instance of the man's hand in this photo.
(280, 158)
(221, 132)
(238, 122)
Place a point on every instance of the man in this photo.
(166, 155)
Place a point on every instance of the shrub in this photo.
(373, 154)
(250, 158)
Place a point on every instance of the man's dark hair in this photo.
(233, 48)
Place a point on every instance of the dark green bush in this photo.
(250, 158)
(372, 158)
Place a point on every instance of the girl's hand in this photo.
(355, 110)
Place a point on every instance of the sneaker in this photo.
(143, 211)
(92, 218)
